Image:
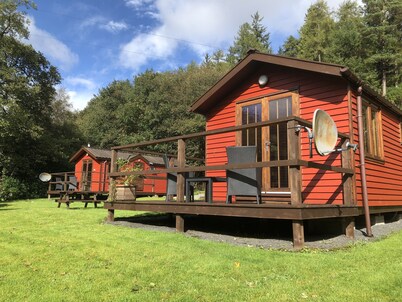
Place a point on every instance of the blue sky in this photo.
(93, 42)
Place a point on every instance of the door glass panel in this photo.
(87, 175)
(252, 137)
(280, 108)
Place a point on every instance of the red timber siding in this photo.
(384, 178)
(152, 184)
(99, 181)
(315, 91)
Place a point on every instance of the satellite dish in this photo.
(45, 177)
(325, 132)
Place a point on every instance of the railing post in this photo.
(294, 171)
(347, 180)
(112, 182)
(65, 182)
(181, 163)
(294, 151)
(348, 223)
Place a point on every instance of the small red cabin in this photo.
(263, 102)
(297, 87)
(92, 167)
(154, 184)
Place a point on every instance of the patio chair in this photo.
(72, 183)
(243, 182)
(59, 184)
(171, 182)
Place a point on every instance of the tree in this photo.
(249, 36)
(30, 134)
(382, 37)
(106, 121)
(346, 46)
(315, 32)
(290, 47)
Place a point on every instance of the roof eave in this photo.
(330, 69)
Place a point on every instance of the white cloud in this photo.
(137, 3)
(114, 27)
(79, 99)
(55, 50)
(209, 23)
(143, 48)
(81, 82)
(102, 23)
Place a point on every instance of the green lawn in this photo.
(51, 254)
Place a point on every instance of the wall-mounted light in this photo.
(262, 80)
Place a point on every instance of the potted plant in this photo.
(126, 185)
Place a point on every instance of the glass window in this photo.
(252, 137)
(372, 131)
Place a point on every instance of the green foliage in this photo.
(249, 36)
(315, 32)
(383, 38)
(36, 127)
(367, 39)
(51, 254)
(12, 188)
(290, 48)
(154, 106)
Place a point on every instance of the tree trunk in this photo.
(384, 83)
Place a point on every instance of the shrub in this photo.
(12, 188)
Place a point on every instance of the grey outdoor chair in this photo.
(243, 182)
(171, 181)
(72, 183)
(59, 185)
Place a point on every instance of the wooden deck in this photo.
(267, 210)
(294, 209)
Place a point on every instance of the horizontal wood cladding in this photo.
(327, 93)
(384, 178)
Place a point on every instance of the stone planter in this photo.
(125, 193)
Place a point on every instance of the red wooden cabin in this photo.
(297, 87)
(242, 109)
(92, 167)
(152, 184)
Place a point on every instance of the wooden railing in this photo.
(65, 182)
(294, 162)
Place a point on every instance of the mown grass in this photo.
(51, 254)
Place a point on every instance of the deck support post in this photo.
(181, 163)
(348, 224)
(110, 215)
(180, 223)
(298, 234)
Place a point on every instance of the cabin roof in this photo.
(100, 154)
(253, 61)
(104, 154)
(151, 160)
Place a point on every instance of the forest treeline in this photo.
(39, 130)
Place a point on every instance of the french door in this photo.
(272, 141)
(86, 175)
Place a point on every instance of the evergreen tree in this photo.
(249, 36)
(383, 40)
(290, 48)
(315, 32)
(346, 45)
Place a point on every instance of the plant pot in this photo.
(124, 193)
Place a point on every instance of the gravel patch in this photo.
(260, 233)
